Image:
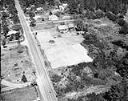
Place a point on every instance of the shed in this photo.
(12, 32)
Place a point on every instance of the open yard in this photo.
(23, 94)
(15, 60)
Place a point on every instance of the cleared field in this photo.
(14, 61)
(68, 55)
(62, 49)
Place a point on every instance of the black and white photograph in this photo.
(64, 50)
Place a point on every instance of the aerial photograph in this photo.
(64, 50)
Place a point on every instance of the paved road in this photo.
(43, 80)
(57, 21)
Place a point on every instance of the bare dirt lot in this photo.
(14, 61)
(61, 49)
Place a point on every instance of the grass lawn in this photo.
(23, 94)
(14, 61)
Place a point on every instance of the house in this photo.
(62, 28)
(37, 17)
(71, 26)
(12, 32)
(66, 17)
(13, 35)
(53, 17)
(39, 8)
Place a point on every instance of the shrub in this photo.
(55, 78)
(90, 15)
(124, 29)
(32, 23)
(99, 14)
(24, 79)
(20, 49)
(121, 21)
(111, 16)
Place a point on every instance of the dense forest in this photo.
(8, 18)
(115, 6)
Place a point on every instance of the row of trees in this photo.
(115, 6)
(12, 12)
(28, 3)
(32, 15)
(4, 26)
(78, 6)
(9, 12)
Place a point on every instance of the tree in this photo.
(125, 89)
(24, 79)
(124, 29)
(18, 38)
(91, 4)
(55, 78)
(33, 22)
(72, 6)
(117, 92)
(4, 15)
(31, 14)
(57, 2)
(111, 16)
(4, 42)
(80, 26)
(5, 30)
(94, 97)
(99, 13)
(17, 27)
(15, 19)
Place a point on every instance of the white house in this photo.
(39, 8)
(62, 28)
(37, 17)
(53, 17)
(12, 32)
